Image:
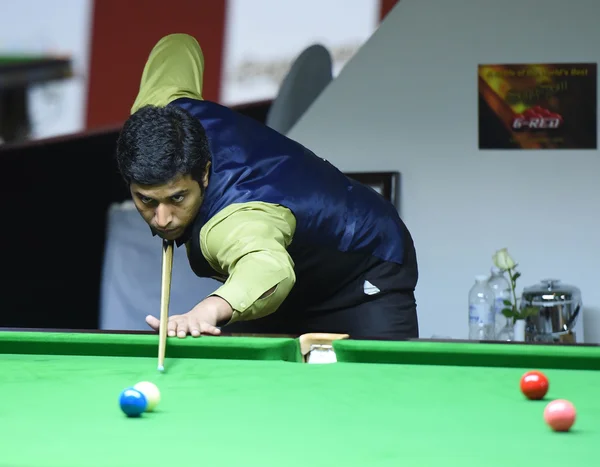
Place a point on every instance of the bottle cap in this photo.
(482, 277)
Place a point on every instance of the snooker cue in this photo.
(165, 296)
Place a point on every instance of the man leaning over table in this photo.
(298, 246)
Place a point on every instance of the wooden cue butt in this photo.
(165, 296)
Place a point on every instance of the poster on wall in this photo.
(538, 106)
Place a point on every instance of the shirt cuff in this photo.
(246, 299)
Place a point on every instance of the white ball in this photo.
(151, 392)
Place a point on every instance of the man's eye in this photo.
(178, 199)
(145, 199)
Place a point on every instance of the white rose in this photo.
(503, 261)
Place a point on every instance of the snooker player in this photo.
(298, 246)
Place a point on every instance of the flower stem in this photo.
(514, 293)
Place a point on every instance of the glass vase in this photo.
(519, 330)
(507, 333)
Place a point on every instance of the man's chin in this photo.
(172, 235)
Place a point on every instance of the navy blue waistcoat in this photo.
(252, 162)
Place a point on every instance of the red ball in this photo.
(534, 385)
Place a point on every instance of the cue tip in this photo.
(161, 368)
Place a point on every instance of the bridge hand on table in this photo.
(194, 322)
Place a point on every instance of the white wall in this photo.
(264, 37)
(408, 101)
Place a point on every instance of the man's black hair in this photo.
(158, 143)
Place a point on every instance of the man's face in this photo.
(169, 208)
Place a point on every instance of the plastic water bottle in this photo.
(501, 288)
(481, 310)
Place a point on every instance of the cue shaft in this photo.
(165, 297)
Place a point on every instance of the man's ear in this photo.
(205, 176)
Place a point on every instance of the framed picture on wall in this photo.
(387, 184)
(538, 106)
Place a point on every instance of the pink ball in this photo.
(560, 415)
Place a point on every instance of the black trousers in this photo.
(380, 304)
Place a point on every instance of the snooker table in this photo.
(255, 401)
(17, 73)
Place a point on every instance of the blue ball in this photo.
(133, 403)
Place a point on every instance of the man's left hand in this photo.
(202, 319)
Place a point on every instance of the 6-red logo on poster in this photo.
(537, 118)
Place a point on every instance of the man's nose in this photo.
(163, 216)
